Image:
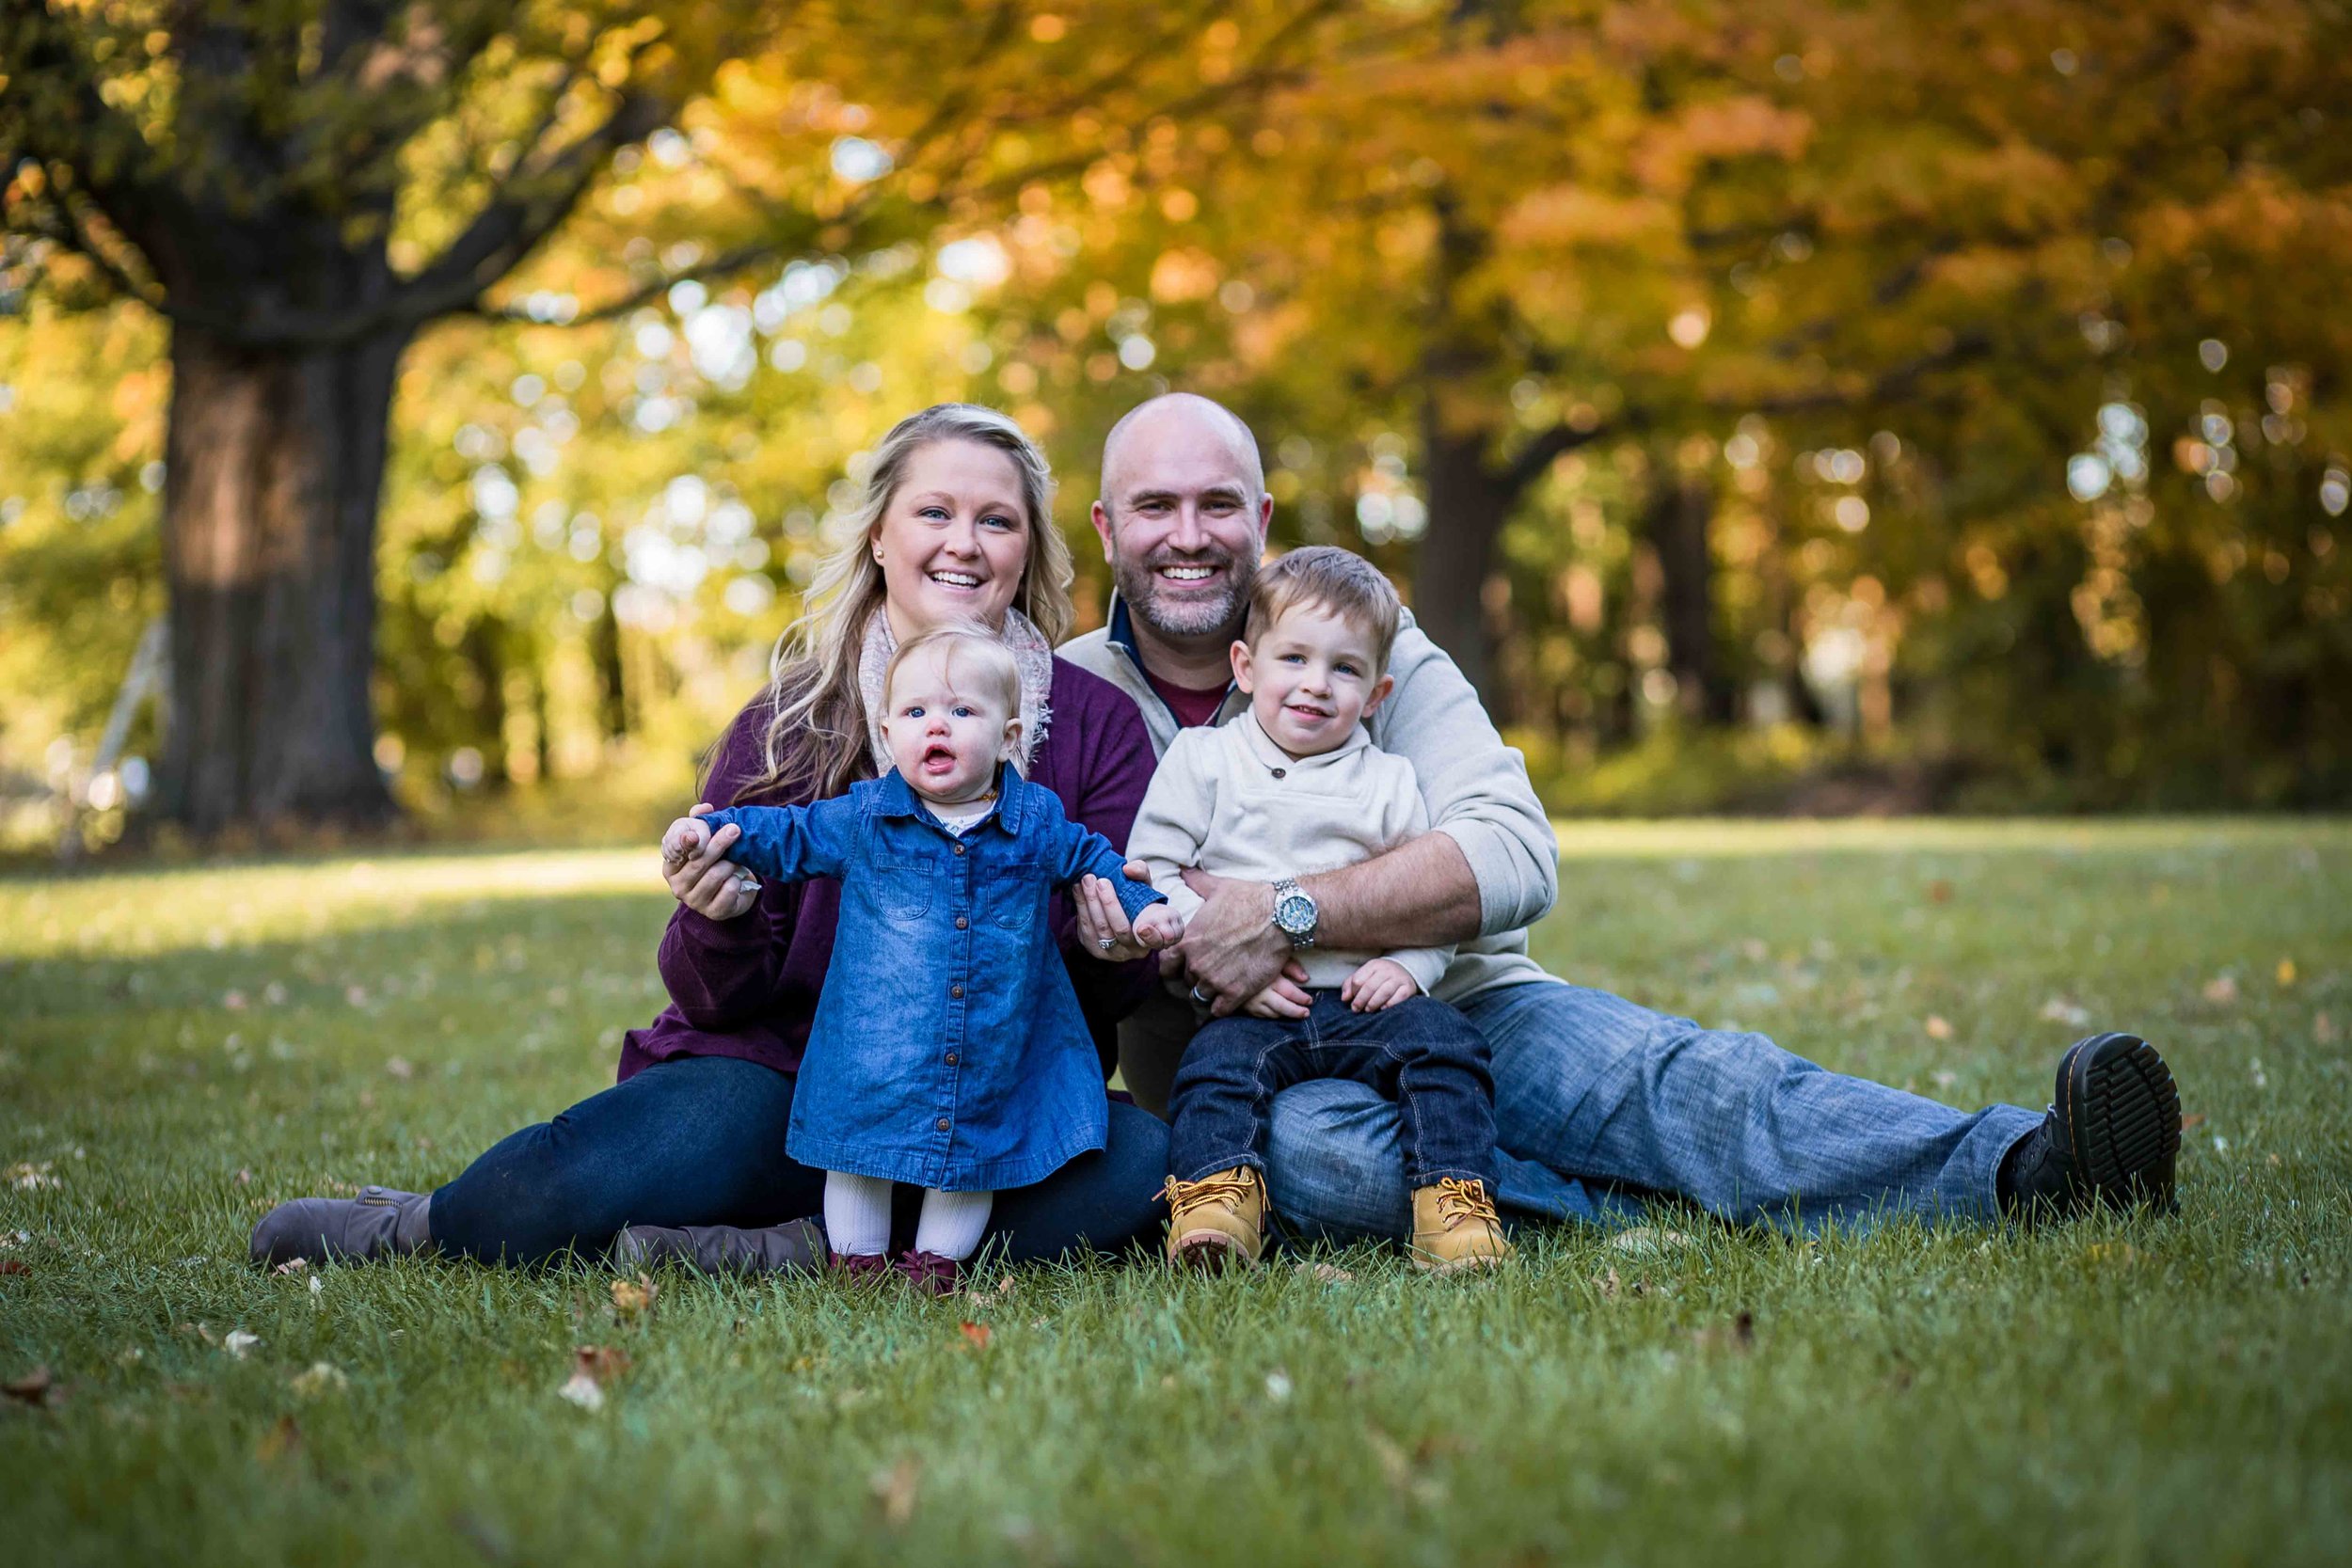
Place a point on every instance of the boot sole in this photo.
(1209, 1251)
(2122, 1116)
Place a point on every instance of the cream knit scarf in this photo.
(1031, 653)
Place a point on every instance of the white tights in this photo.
(857, 1218)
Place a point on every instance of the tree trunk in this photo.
(1682, 511)
(275, 464)
(1468, 503)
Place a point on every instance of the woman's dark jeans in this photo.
(699, 1140)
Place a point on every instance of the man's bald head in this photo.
(1183, 517)
(1177, 416)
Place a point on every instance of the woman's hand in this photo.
(694, 864)
(1103, 923)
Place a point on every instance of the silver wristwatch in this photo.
(1295, 912)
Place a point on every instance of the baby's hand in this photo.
(1379, 984)
(1158, 927)
(684, 840)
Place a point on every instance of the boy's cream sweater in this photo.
(1228, 799)
(1474, 785)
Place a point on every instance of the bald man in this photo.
(1598, 1101)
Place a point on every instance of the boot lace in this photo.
(1232, 1188)
(1460, 1201)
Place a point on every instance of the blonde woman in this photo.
(686, 1151)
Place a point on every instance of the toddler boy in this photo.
(1287, 788)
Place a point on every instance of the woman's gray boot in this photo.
(797, 1247)
(379, 1223)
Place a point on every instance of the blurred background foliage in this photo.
(1780, 406)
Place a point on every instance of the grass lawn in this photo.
(181, 1049)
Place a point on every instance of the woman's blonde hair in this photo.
(815, 742)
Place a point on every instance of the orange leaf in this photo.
(975, 1334)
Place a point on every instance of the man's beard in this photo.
(1140, 586)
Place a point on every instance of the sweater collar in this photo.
(1261, 747)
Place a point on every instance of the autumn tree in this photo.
(301, 189)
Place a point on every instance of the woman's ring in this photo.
(1108, 943)
(1197, 995)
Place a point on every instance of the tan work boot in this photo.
(1456, 1227)
(1217, 1220)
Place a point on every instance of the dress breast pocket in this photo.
(905, 888)
(1014, 894)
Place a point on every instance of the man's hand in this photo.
(1379, 984)
(1232, 950)
(694, 863)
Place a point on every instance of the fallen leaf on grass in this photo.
(583, 1392)
(1939, 892)
(2060, 1010)
(1390, 1458)
(1007, 1286)
(895, 1489)
(2286, 972)
(1329, 1274)
(239, 1341)
(634, 1298)
(401, 1068)
(2323, 1029)
(2119, 1253)
(2221, 989)
(279, 1442)
(2195, 1119)
(975, 1334)
(324, 1377)
(9, 1265)
(1607, 1285)
(33, 1389)
(291, 1265)
(31, 1178)
(1278, 1385)
(1645, 1240)
(1738, 1336)
(593, 1366)
(1939, 1027)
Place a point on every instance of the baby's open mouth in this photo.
(938, 757)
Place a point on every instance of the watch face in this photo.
(1295, 914)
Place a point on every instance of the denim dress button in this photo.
(953, 1059)
(961, 922)
(955, 990)
(942, 1124)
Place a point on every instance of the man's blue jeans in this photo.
(1600, 1103)
(1421, 1056)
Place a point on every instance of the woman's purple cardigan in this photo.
(747, 986)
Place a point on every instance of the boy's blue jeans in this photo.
(1423, 1059)
(1600, 1103)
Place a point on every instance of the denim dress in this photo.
(947, 1050)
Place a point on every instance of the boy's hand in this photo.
(1379, 984)
(1275, 1002)
(694, 863)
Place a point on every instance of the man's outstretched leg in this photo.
(1591, 1084)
